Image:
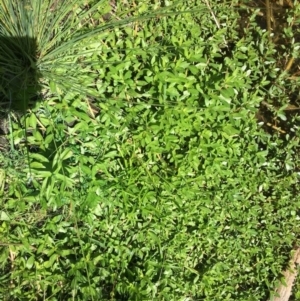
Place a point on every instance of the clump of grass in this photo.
(39, 45)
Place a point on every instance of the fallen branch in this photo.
(284, 291)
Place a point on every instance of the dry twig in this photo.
(268, 16)
(289, 64)
(215, 18)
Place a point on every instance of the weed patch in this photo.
(155, 155)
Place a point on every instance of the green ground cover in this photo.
(152, 150)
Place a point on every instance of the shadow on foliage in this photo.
(19, 77)
(274, 20)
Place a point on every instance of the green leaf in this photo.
(4, 216)
(37, 165)
(39, 157)
(66, 154)
(30, 262)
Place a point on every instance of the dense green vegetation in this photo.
(152, 150)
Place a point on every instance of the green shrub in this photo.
(141, 173)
